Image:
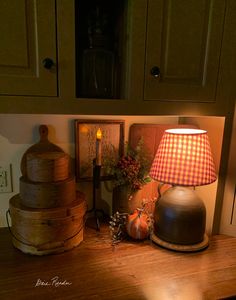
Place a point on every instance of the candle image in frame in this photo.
(99, 147)
(94, 137)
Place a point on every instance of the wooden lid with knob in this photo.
(44, 159)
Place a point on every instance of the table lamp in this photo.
(184, 160)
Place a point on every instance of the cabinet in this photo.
(183, 44)
(182, 56)
(190, 43)
(28, 37)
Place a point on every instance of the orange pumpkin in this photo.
(137, 224)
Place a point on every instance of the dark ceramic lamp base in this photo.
(179, 220)
(182, 248)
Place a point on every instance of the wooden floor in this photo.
(132, 270)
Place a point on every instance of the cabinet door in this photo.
(28, 36)
(183, 45)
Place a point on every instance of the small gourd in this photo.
(137, 224)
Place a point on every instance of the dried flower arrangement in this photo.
(130, 170)
(117, 227)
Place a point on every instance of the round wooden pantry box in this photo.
(47, 195)
(47, 231)
(47, 166)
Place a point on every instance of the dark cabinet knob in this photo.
(48, 63)
(155, 72)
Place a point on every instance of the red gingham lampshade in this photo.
(184, 158)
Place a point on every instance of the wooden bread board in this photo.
(151, 135)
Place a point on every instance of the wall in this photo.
(228, 217)
(19, 132)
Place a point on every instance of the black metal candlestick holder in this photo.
(96, 186)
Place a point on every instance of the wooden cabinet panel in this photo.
(28, 35)
(184, 42)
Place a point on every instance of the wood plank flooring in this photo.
(129, 271)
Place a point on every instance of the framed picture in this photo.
(111, 145)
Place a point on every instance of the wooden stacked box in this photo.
(47, 216)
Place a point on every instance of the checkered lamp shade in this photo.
(184, 158)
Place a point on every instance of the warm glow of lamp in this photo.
(183, 159)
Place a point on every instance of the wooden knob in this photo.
(43, 132)
(155, 72)
(48, 63)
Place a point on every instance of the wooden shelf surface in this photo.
(130, 270)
